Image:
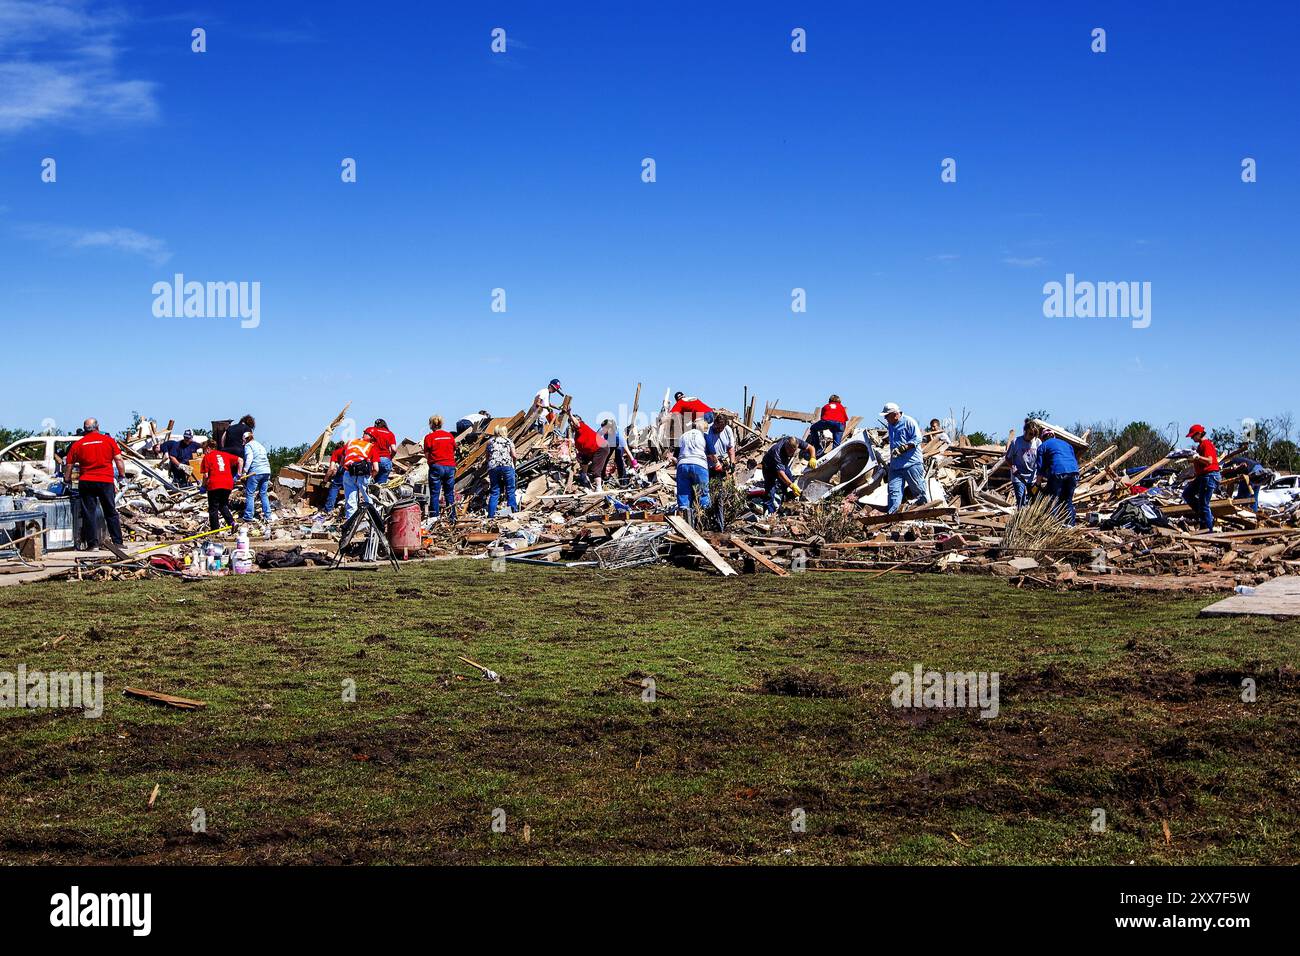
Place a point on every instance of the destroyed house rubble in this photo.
(1134, 529)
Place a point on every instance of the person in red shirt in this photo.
(220, 469)
(440, 452)
(833, 420)
(684, 412)
(593, 453)
(386, 441)
(96, 455)
(335, 475)
(681, 403)
(1205, 467)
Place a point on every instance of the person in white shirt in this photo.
(720, 444)
(542, 409)
(692, 467)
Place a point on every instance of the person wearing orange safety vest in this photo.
(360, 463)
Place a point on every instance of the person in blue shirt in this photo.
(906, 466)
(1058, 472)
(257, 472)
(777, 476)
(177, 455)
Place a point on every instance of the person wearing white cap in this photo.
(906, 466)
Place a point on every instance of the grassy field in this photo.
(773, 696)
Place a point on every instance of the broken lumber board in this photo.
(681, 526)
(1061, 433)
(1220, 508)
(925, 512)
(1149, 469)
(759, 558)
(154, 697)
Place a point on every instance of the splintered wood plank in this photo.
(1070, 437)
(681, 526)
(154, 697)
(922, 512)
(759, 557)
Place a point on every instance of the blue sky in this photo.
(522, 171)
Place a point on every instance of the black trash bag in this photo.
(1139, 514)
(280, 558)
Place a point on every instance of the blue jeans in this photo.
(336, 485)
(689, 477)
(252, 485)
(835, 428)
(502, 476)
(385, 469)
(775, 489)
(354, 492)
(1021, 488)
(912, 477)
(442, 477)
(1198, 493)
(1061, 487)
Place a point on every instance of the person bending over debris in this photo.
(501, 470)
(593, 453)
(257, 479)
(777, 476)
(220, 472)
(1205, 463)
(385, 441)
(360, 464)
(692, 469)
(475, 421)
(440, 453)
(833, 419)
(1022, 459)
(177, 455)
(335, 475)
(688, 409)
(906, 466)
(1058, 472)
(96, 455)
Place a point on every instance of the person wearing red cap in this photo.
(1205, 482)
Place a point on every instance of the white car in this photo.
(1281, 492)
(39, 459)
(33, 460)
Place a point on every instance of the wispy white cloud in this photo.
(59, 64)
(1025, 262)
(117, 239)
(944, 257)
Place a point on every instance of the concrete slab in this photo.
(1278, 597)
(52, 564)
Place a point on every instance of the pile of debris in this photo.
(1134, 530)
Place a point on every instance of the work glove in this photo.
(794, 490)
(812, 461)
